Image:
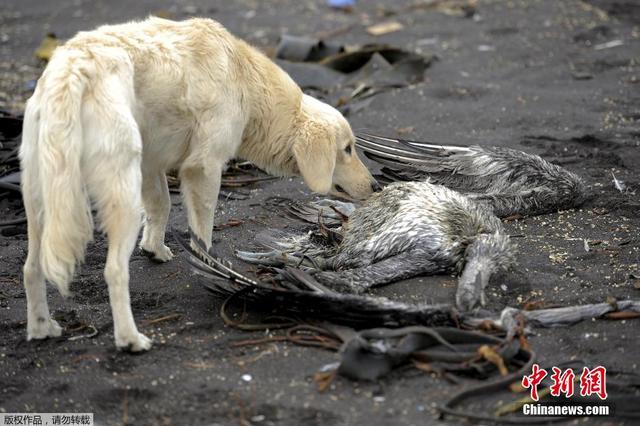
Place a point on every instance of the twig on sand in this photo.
(229, 224)
(92, 333)
(161, 319)
(199, 365)
(170, 275)
(125, 408)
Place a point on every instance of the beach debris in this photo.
(618, 184)
(163, 13)
(486, 48)
(581, 75)
(47, 46)
(636, 280)
(348, 78)
(93, 332)
(10, 191)
(404, 130)
(372, 353)
(608, 45)
(323, 379)
(489, 353)
(231, 223)
(10, 125)
(305, 49)
(343, 5)
(73, 324)
(383, 28)
(596, 33)
(455, 8)
(164, 318)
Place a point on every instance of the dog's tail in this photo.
(67, 223)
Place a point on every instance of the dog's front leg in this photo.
(200, 187)
(215, 141)
(157, 204)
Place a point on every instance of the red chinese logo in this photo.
(562, 382)
(532, 381)
(592, 381)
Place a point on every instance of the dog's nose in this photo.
(375, 186)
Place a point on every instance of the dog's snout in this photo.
(375, 186)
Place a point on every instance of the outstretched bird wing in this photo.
(413, 160)
(298, 294)
(511, 181)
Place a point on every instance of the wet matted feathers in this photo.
(299, 294)
(510, 181)
(408, 229)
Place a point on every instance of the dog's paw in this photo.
(42, 328)
(137, 342)
(158, 254)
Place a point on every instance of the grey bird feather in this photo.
(618, 184)
(510, 181)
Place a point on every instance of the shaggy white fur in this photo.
(119, 106)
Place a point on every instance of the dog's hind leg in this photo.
(122, 224)
(39, 323)
(114, 179)
(120, 212)
(122, 228)
(157, 204)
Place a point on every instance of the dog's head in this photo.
(326, 155)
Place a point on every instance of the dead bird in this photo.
(512, 182)
(296, 294)
(407, 229)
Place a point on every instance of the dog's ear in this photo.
(315, 153)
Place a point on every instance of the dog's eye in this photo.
(348, 150)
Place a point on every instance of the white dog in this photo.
(119, 106)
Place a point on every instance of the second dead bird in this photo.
(509, 181)
(407, 229)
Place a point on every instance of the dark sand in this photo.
(515, 77)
